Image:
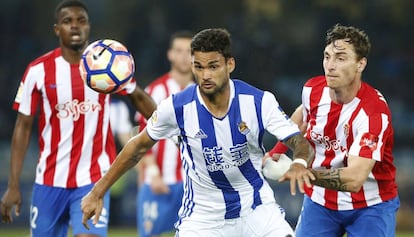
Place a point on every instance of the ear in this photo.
(169, 55)
(56, 29)
(231, 64)
(362, 64)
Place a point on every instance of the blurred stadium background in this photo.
(277, 44)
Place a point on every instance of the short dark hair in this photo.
(69, 3)
(182, 34)
(212, 40)
(357, 37)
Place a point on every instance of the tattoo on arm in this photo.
(300, 147)
(330, 179)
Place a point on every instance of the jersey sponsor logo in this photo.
(329, 144)
(216, 161)
(243, 129)
(75, 109)
(369, 140)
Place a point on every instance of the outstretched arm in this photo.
(129, 156)
(142, 102)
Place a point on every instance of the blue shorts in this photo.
(378, 220)
(53, 209)
(157, 213)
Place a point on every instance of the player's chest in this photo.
(67, 88)
(331, 123)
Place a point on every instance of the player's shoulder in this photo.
(185, 96)
(51, 55)
(372, 99)
(316, 81)
(243, 87)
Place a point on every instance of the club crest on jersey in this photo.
(243, 129)
(369, 140)
(346, 130)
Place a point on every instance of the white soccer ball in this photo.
(275, 169)
(107, 66)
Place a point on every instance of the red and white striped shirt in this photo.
(362, 128)
(75, 141)
(165, 151)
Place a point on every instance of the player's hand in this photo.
(297, 173)
(158, 186)
(91, 206)
(11, 198)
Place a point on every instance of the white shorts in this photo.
(267, 220)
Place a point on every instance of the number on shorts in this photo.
(150, 210)
(34, 212)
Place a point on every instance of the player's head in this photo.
(345, 57)
(352, 35)
(72, 24)
(179, 52)
(212, 61)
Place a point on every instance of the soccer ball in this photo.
(106, 66)
(274, 170)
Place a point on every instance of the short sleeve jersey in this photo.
(361, 128)
(222, 157)
(75, 141)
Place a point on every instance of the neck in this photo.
(345, 95)
(217, 103)
(70, 55)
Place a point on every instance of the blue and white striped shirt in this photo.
(222, 156)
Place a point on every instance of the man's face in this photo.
(73, 28)
(341, 65)
(211, 71)
(179, 55)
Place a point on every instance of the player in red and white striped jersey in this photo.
(75, 140)
(348, 123)
(160, 174)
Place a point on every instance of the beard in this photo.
(77, 46)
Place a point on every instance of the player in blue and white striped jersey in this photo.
(220, 122)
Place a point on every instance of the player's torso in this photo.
(66, 95)
(222, 157)
(328, 129)
(73, 127)
(335, 130)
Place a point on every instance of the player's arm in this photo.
(303, 155)
(348, 179)
(19, 144)
(280, 147)
(142, 102)
(128, 157)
